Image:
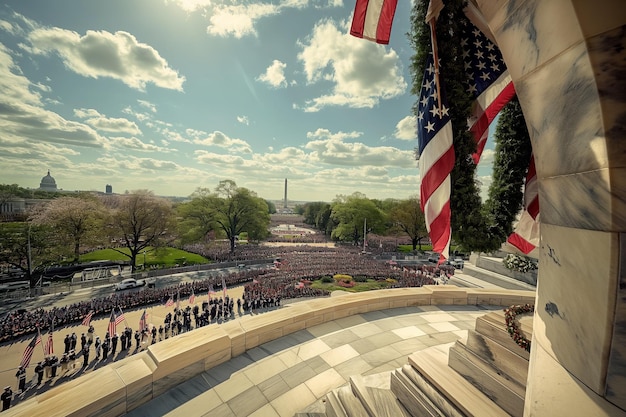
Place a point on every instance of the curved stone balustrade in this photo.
(124, 385)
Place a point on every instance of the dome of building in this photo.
(48, 183)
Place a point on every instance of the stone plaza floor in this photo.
(289, 374)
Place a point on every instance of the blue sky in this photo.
(171, 95)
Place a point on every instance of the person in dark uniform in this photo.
(85, 356)
(137, 339)
(73, 341)
(114, 340)
(54, 364)
(21, 379)
(123, 341)
(6, 398)
(67, 342)
(39, 372)
(105, 349)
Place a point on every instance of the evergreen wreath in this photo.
(512, 326)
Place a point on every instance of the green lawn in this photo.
(164, 257)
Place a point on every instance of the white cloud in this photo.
(137, 145)
(23, 118)
(333, 150)
(238, 21)
(147, 105)
(362, 73)
(192, 5)
(406, 129)
(243, 120)
(108, 124)
(221, 140)
(116, 55)
(274, 75)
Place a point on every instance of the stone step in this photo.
(493, 326)
(377, 398)
(432, 364)
(344, 403)
(507, 363)
(410, 388)
(507, 394)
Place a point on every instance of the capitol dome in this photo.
(48, 183)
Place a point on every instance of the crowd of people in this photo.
(292, 267)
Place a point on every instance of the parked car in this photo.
(129, 283)
(457, 263)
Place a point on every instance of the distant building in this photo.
(48, 183)
(108, 189)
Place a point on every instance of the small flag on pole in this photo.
(169, 302)
(87, 319)
(112, 323)
(49, 345)
(178, 299)
(28, 352)
(142, 320)
(192, 298)
(224, 286)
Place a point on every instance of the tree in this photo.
(75, 220)
(27, 247)
(139, 220)
(510, 164)
(351, 214)
(407, 216)
(230, 210)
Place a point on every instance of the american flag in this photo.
(192, 298)
(142, 320)
(487, 81)
(436, 160)
(211, 291)
(114, 321)
(224, 286)
(526, 235)
(372, 20)
(30, 348)
(48, 347)
(178, 299)
(87, 320)
(169, 302)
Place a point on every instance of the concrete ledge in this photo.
(124, 385)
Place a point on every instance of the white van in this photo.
(15, 285)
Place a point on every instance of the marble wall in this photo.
(567, 59)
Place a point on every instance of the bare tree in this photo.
(139, 220)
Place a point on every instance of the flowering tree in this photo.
(75, 221)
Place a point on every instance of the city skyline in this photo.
(171, 95)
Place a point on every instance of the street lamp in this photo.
(144, 259)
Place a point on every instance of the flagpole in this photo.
(43, 348)
(125, 321)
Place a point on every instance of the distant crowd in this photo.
(286, 279)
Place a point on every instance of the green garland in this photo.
(510, 315)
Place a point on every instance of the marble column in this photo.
(567, 59)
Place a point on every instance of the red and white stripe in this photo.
(526, 235)
(372, 20)
(486, 107)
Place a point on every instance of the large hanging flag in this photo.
(526, 235)
(487, 81)
(87, 320)
(372, 20)
(48, 347)
(436, 160)
(28, 352)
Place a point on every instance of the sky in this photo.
(174, 95)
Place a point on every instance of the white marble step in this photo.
(432, 364)
(410, 389)
(507, 363)
(507, 394)
(376, 396)
(493, 326)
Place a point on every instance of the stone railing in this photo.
(124, 385)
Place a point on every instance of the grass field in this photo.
(163, 257)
